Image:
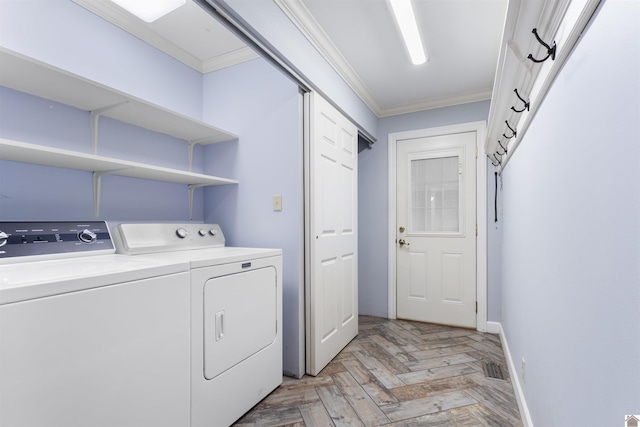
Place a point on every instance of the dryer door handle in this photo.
(219, 325)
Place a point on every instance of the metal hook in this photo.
(526, 103)
(551, 50)
(513, 131)
(499, 161)
(503, 148)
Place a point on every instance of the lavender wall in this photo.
(261, 105)
(571, 236)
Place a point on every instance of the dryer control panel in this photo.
(165, 237)
(28, 239)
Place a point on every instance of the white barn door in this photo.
(332, 240)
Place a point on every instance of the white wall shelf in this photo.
(36, 78)
(17, 151)
(45, 81)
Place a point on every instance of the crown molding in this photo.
(129, 23)
(228, 59)
(117, 16)
(302, 18)
(450, 101)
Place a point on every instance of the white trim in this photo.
(229, 59)
(481, 212)
(133, 25)
(302, 111)
(515, 381)
(302, 18)
(450, 101)
(493, 327)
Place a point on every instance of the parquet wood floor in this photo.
(398, 373)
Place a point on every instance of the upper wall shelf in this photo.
(45, 81)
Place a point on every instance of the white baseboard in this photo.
(493, 327)
(515, 380)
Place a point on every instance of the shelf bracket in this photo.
(97, 187)
(192, 143)
(192, 188)
(95, 115)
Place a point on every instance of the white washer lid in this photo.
(30, 280)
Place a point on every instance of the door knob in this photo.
(401, 242)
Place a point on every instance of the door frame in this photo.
(480, 128)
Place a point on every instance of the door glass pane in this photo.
(435, 198)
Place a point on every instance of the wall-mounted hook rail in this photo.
(526, 103)
(551, 50)
(514, 132)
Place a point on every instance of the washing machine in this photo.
(236, 314)
(89, 337)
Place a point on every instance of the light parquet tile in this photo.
(365, 407)
(378, 393)
(315, 415)
(427, 405)
(436, 374)
(339, 409)
(398, 373)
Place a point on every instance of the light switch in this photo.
(277, 203)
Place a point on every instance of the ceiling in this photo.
(360, 39)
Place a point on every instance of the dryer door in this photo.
(240, 315)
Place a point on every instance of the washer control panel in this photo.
(165, 237)
(19, 239)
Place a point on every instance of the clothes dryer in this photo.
(236, 314)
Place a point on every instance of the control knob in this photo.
(87, 236)
(213, 232)
(202, 232)
(181, 233)
(3, 238)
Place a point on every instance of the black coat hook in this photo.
(551, 50)
(526, 103)
(513, 131)
(497, 160)
(503, 148)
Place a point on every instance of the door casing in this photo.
(480, 128)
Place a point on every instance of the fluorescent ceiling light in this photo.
(406, 20)
(149, 10)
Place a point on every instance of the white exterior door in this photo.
(332, 263)
(436, 229)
